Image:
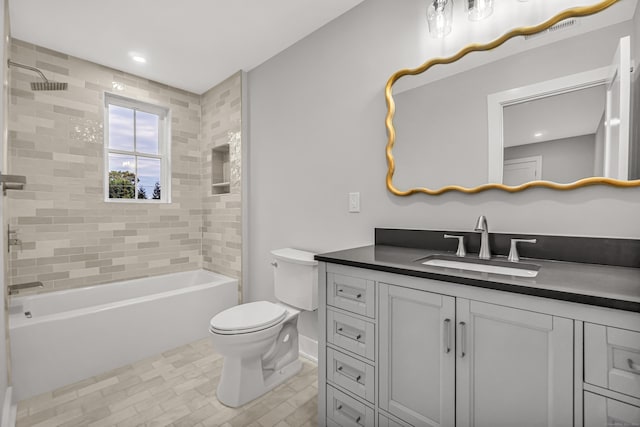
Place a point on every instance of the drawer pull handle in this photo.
(350, 295)
(447, 335)
(355, 378)
(355, 418)
(633, 366)
(355, 337)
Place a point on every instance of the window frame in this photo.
(164, 146)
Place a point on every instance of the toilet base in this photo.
(242, 380)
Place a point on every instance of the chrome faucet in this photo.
(481, 226)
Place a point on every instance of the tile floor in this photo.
(176, 388)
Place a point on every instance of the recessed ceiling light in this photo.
(537, 134)
(137, 56)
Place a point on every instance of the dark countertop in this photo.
(600, 285)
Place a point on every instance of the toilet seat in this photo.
(246, 318)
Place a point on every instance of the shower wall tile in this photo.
(70, 236)
(221, 224)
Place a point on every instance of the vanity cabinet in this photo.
(612, 359)
(417, 355)
(444, 359)
(397, 350)
(512, 364)
(611, 376)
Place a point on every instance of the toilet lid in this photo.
(250, 316)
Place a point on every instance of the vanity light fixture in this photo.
(440, 14)
(478, 9)
(440, 17)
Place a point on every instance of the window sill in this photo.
(138, 201)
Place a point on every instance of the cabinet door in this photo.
(514, 367)
(417, 356)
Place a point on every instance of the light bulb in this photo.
(479, 9)
(440, 17)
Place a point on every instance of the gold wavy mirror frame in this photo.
(523, 31)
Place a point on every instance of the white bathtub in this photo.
(78, 333)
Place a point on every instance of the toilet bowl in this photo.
(259, 340)
(260, 349)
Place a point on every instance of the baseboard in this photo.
(308, 348)
(8, 409)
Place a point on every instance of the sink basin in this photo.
(483, 266)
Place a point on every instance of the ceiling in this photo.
(554, 117)
(188, 44)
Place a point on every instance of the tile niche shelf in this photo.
(220, 170)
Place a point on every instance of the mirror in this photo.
(550, 109)
(568, 134)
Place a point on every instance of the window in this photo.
(136, 151)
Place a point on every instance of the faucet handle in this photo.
(513, 252)
(461, 251)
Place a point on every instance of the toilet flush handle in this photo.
(275, 264)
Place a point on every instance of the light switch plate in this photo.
(354, 202)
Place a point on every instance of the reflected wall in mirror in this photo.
(524, 114)
(562, 144)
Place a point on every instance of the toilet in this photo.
(259, 340)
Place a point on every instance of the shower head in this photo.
(46, 84)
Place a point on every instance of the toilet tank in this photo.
(295, 278)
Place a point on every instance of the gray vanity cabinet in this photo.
(611, 376)
(444, 359)
(402, 351)
(417, 355)
(511, 365)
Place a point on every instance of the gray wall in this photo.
(598, 160)
(634, 150)
(317, 132)
(563, 160)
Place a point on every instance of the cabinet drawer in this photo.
(612, 358)
(347, 411)
(600, 411)
(351, 334)
(352, 294)
(352, 374)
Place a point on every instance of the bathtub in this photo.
(78, 333)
